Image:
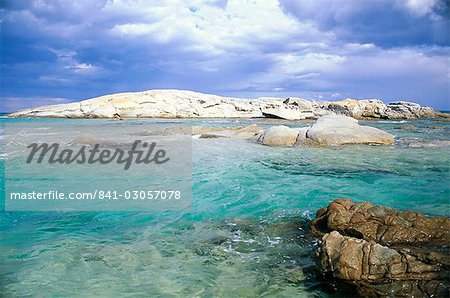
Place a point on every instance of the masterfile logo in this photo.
(147, 154)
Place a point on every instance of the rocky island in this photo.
(189, 104)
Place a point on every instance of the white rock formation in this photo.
(329, 130)
(188, 104)
(292, 109)
(333, 130)
(408, 110)
(374, 108)
(279, 136)
(153, 103)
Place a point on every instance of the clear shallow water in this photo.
(244, 235)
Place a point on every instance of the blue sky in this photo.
(61, 50)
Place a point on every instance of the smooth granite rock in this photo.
(278, 136)
(383, 251)
(148, 104)
(188, 104)
(333, 130)
(329, 130)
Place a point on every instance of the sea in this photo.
(246, 232)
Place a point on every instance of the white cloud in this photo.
(132, 29)
(418, 7)
(240, 26)
(66, 59)
(292, 64)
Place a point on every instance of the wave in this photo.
(392, 121)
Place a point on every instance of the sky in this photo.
(63, 50)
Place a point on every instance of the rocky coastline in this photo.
(189, 104)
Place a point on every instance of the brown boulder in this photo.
(384, 251)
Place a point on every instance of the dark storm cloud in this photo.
(386, 23)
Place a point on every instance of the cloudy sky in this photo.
(55, 51)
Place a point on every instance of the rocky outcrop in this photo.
(279, 136)
(292, 109)
(298, 109)
(329, 130)
(384, 251)
(359, 109)
(148, 104)
(408, 110)
(376, 109)
(188, 104)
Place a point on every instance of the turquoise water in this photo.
(245, 234)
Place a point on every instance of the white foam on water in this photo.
(392, 121)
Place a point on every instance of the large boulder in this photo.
(332, 130)
(379, 270)
(384, 251)
(279, 136)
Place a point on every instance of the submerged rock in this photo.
(407, 127)
(384, 251)
(432, 144)
(242, 132)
